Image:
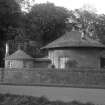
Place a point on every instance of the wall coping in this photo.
(56, 70)
(55, 85)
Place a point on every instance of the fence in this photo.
(86, 77)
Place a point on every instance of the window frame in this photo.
(66, 58)
(9, 64)
(102, 66)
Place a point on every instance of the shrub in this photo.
(7, 99)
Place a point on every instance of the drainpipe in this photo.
(6, 50)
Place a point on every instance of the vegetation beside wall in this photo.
(80, 77)
(8, 99)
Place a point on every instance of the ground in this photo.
(66, 94)
(8, 99)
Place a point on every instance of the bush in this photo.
(7, 99)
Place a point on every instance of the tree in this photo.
(100, 28)
(10, 15)
(92, 24)
(84, 20)
(45, 22)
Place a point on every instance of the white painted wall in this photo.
(19, 64)
(84, 57)
(14, 64)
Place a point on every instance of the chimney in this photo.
(6, 50)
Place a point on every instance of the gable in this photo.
(19, 54)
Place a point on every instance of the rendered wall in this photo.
(15, 63)
(84, 57)
(19, 64)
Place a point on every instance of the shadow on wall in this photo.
(71, 63)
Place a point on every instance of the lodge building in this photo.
(74, 49)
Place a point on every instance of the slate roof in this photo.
(73, 39)
(19, 55)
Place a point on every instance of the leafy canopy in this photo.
(46, 22)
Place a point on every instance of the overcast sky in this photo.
(75, 4)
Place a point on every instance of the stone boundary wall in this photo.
(86, 77)
(1, 74)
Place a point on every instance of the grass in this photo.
(9, 99)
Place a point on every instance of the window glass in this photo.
(25, 64)
(102, 62)
(9, 64)
(62, 62)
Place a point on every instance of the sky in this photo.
(97, 5)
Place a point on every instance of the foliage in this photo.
(8, 99)
(84, 20)
(10, 16)
(100, 28)
(46, 22)
(90, 23)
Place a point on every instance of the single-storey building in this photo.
(75, 49)
(20, 59)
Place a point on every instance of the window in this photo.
(24, 64)
(9, 64)
(62, 62)
(102, 62)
